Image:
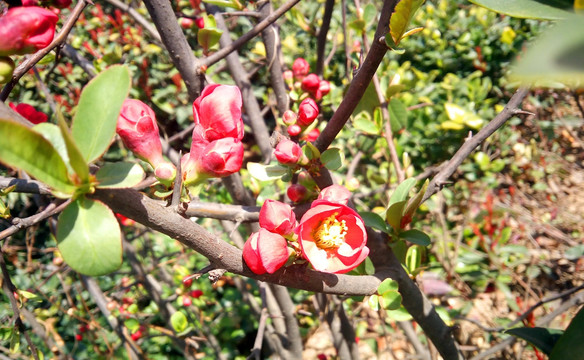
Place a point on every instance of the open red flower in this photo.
(265, 252)
(332, 237)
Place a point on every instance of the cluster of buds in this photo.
(138, 130)
(301, 78)
(24, 30)
(216, 148)
(330, 235)
(302, 124)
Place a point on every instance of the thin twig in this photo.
(138, 18)
(322, 34)
(54, 208)
(60, 38)
(510, 110)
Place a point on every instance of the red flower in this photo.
(200, 22)
(312, 135)
(265, 252)
(30, 113)
(288, 152)
(294, 130)
(138, 129)
(332, 237)
(195, 294)
(300, 68)
(186, 23)
(277, 217)
(336, 194)
(324, 87)
(24, 30)
(218, 111)
(307, 112)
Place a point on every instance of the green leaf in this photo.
(413, 258)
(76, 160)
(391, 300)
(556, 56)
(310, 151)
(363, 122)
(525, 9)
(53, 134)
(398, 114)
(375, 221)
(94, 124)
(179, 322)
(402, 191)
(401, 17)
(542, 338)
(119, 175)
(571, 342)
(208, 37)
(89, 237)
(387, 285)
(416, 236)
(415, 201)
(234, 4)
(25, 149)
(132, 324)
(266, 172)
(460, 116)
(332, 158)
(394, 214)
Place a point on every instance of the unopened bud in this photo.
(289, 117)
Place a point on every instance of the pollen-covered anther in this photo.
(331, 233)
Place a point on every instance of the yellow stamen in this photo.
(331, 233)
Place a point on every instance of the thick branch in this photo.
(175, 42)
(360, 81)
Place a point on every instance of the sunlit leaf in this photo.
(179, 321)
(525, 9)
(332, 158)
(94, 125)
(373, 220)
(89, 237)
(401, 17)
(75, 157)
(398, 114)
(25, 149)
(119, 175)
(266, 172)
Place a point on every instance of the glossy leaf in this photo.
(375, 221)
(391, 300)
(332, 158)
(402, 191)
(401, 17)
(53, 134)
(571, 342)
(413, 258)
(525, 9)
(363, 122)
(208, 37)
(266, 172)
(373, 302)
(387, 285)
(89, 237)
(416, 237)
(394, 214)
(542, 338)
(234, 4)
(76, 160)
(119, 175)
(179, 322)
(94, 124)
(416, 200)
(25, 149)
(555, 57)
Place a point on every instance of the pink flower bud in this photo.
(289, 117)
(336, 194)
(310, 83)
(218, 111)
(288, 75)
(200, 22)
(300, 68)
(294, 130)
(265, 252)
(296, 192)
(277, 217)
(186, 23)
(288, 152)
(307, 112)
(312, 135)
(24, 30)
(165, 172)
(324, 87)
(138, 129)
(29, 113)
(218, 158)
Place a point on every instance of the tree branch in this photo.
(321, 37)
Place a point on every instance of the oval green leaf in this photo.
(332, 158)
(387, 285)
(76, 160)
(119, 175)
(391, 300)
(571, 342)
(179, 322)
(94, 124)
(375, 221)
(89, 237)
(416, 237)
(525, 9)
(53, 134)
(25, 149)
(398, 114)
(266, 172)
